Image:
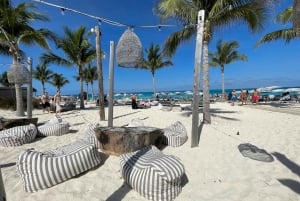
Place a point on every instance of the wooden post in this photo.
(198, 53)
(29, 90)
(111, 84)
(100, 74)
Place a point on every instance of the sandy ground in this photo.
(216, 169)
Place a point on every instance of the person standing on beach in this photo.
(57, 99)
(45, 102)
(233, 97)
(255, 96)
(133, 101)
(244, 97)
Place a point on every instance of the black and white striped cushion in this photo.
(152, 174)
(53, 129)
(90, 135)
(43, 170)
(18, 135)
(175, 135)
(55, 120)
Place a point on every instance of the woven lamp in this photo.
(129, 50)
(18, 74)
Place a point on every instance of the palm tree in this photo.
(226, 53)
(15, 30)
(90, 74)
(42, 74)
(218, 13)
(58, 80)
(154, 61)
(92, 71)
(285, 34)
(78, 52)
(3, 79)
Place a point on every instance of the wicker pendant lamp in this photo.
(129, 50)
(18, 74)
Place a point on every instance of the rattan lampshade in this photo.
(129, 50)
(18, 74)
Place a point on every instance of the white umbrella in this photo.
(292, 90)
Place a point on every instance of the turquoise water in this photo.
(189, 93)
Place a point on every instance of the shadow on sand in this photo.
(295, 168)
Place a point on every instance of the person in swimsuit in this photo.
(45, 102)
(255, 96)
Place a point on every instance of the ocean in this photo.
(188, 94)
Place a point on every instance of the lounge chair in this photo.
(18, 135)
(152, 174)
(40, 170)
(175, 135)
(54, 127)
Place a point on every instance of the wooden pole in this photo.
(100, 75)
(111, 84)
(198, 52)
(29, 89)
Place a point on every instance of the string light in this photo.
(62, 11)
(100, 19)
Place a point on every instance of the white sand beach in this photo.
(216, 170)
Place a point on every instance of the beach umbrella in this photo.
(129, 50)
(292, 90)
(278, 90)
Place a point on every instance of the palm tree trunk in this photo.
(19, 97)
(206, 97)
(154, 88)
(87, 91)
(81, 93)
(92, 86)
(223, 83)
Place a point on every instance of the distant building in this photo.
(10, 92)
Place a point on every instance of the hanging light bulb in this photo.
(99, 21)
(62, 11)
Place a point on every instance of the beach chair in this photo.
(40, 170)
(54, 127)
(175, 135)
(152, 174)
(18, 135)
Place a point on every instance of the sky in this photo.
(270, 64)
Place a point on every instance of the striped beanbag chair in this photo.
(175, 135)
(43, 170)
(90, 136)
(54, 127)
(18, 135)
(50, 129)
(152, 174)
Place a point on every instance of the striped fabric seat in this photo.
(53, 129)
(175, 135)
(18, 135)
(90, 135)
(42, 170)
(152, 174)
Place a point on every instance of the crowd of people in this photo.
(52, 104)
(244, 97)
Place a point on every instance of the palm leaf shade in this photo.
(129, 50)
